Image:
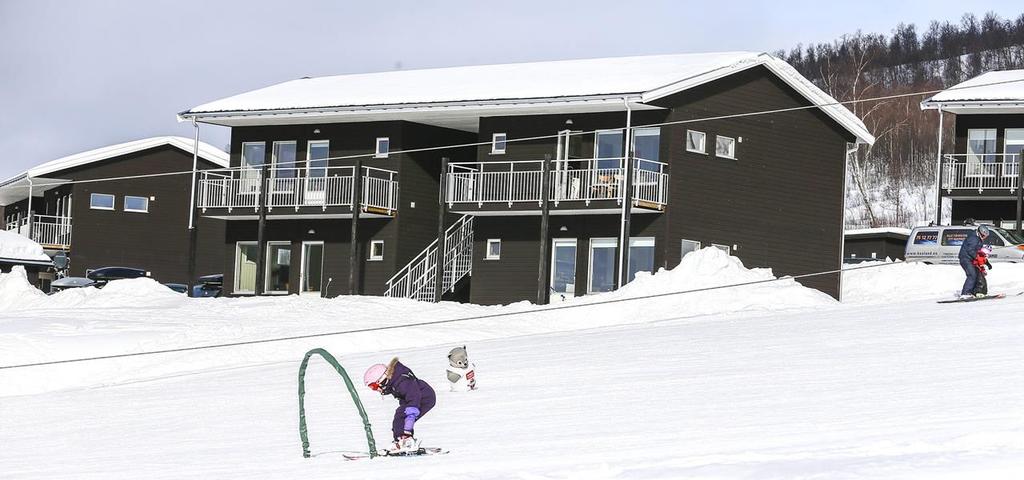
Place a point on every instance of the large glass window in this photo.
(312, 267)
(253, 156)
(284, 168)
(608, 147)
(101, 201)
(1013, 147)
(317, 153)
(563, 268)
(647, 147)
(279, 261)
(246, 254)
(981, 147)
(602, 264)
(641, 256)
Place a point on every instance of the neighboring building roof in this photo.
(878, 232)
(206, 151)
(520, 88)
(15, 248)
(997, 91)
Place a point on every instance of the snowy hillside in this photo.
(765, 381)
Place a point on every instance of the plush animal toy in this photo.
(461, 374)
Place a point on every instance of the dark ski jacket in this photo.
(970, 248)
(409, 390)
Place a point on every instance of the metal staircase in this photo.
(416, 279)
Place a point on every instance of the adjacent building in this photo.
(534, 181)
(981, 177)
(122, 205)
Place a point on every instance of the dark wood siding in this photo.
(872, 246)
(157, 241)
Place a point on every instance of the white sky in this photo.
(84, 74)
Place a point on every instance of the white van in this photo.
(941, 244)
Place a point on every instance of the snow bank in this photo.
(17, 247)
(16, 290)
(902, 281)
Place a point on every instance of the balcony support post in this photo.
(627, 198)
(1020, 191)
(353, 253)
(938, 173)
(261, 230)
(192, 233)
(31, 220)
(545, 206)
(442, 213)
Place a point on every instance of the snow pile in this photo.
(17, 247)
(899, 281)
(16, 290)
(708, 268)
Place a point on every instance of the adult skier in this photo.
(415, 399)
(968, 251)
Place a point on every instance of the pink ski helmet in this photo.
(374, 375)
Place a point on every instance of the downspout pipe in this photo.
(192, 233)
(938, 173)
(31, 216)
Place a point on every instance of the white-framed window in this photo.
(383, 147)
(498, 143)
(1013, 147)
(136, 204)
(609, 147)
(253, 156)
(376, 250)
(725, 248)
(312, 269)
(317, 153)
(283, 165)
(101, 201)
(695, 142)
(246, 254)
(641, 256)
(279, 265)
(493, 249)
(602, 265)
(563, 268)
(687, 246)
(981, 149)
(725, 147)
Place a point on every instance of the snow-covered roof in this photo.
(15, 248)
(206, 151)
(540, 87)
(878, 231)
(999, 90)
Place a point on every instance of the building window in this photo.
(688, 246)
(253, 156)
(317, 153)
(101, 201)
(376, 250)
(282, 160)
(136, 204)
(563, 268)
(602, 265)
(383, 147)
(641, 256)
(245, 267)
(498, 141)
(608, 149)
(279, 262)
(493, 249)
(725, 248)
(1013, 147)
(981, 148)
(311, 277)
(695, 142)
(725, 147)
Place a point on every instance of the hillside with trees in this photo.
(892, 183)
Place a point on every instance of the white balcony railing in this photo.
(50, 231)
(980, 172)
(323, 187)
(572, 180)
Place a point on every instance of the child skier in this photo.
(415, 399)
(980, 262)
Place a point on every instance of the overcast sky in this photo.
(76, 75)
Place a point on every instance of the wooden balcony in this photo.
(584, 186)
(235, 193)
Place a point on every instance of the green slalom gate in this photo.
(351, 390)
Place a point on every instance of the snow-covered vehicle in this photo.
(209, 286)
(70, 282)
(941, 244)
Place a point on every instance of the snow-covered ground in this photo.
(766, 381)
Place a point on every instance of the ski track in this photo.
(820, 391)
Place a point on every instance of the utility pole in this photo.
(261, 244)
(353, 254)
(545, 194)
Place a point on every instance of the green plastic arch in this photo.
(351, 390)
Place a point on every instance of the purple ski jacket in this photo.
(409, 390)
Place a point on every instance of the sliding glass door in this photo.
(312, 267)
(602, 265)
(563, 269)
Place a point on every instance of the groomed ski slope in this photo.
(789, 384)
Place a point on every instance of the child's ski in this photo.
(386, 453)
(974, 299)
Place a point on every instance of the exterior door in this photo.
(567, 183)
(311, 276)
(563, 269)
